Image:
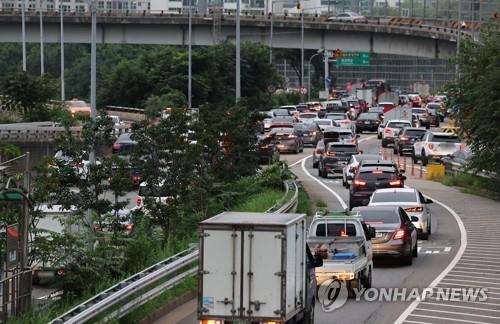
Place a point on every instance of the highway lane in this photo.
(434, 254)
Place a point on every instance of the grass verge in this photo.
(304, 205)
(472, 184)
(261, 201)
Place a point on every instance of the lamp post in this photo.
(42, 68)
(238, 44)
(23, 31)
(302, 49)
(457, 68)
(309, 73)
(189, 56)
(62, 52)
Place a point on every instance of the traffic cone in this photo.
(421, 171)
(412, 168)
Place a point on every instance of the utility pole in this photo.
(189, 56)
(62, 53)
(459, 36)
(302, 50)
(42, 68)
(238, 44)
(327, 57)
(23, 31)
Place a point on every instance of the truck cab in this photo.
(343, 241)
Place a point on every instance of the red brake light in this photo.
(116, 146)
(462, 146)
(399, 234)
(331, 153)
(430, 145)
(388, 130)
(414, 209)
(138, 200)
(359, 183)
(395, 183)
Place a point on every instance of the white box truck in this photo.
(256, 267)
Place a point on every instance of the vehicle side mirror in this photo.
(373, 232)
(414, 218)
(358, 136)
(382, 126)
(403, 177)
(402, 170)
(318, 260)
(429, 201)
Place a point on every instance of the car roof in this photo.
(398, 121)
(377, 168)
(282, 130)
(396, 190)
(444, 134)
(391, 208)
(340, 144)
(415, 128)
(386, 103)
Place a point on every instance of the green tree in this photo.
(475, 96)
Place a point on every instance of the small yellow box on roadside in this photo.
(435, 171)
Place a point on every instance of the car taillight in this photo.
(426, 114)
(399, 234)
(136, 178)
(211, 322)
(138, 200)
(359, 183)
(395, 183)
(462, 146)
(292, 136)
(387, 130)
(319, 151)
(331, 153)
(404, 138)
(116, 146)
(414, 209)
(430, 146)
(129, 227)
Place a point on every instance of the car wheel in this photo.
(315, 164)
(324, 174)
(379, 136)
(415, 159)
(354, 283)
(319, 170)
(424, 236)
(344, 183)
(429, 231)
(384, 144)
(395, 149)
(407, 259)
(427, 126)
(424, 158)
(415, 251)
(351, 205)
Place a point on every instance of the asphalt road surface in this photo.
(435, 254)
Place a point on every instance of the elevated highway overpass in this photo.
(390, 35)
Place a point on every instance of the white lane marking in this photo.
(298, 162)
(448, 318)
(447, 249)
(478, 260)
(452, 274)
(418, 249)
(414, 322)
(341, 201)
(469, 301)
(473, 268)
(460, 306)
(435, 252)
(473, 281)
(456, 313)
(475, 264)
(428, 252)
(453, 263)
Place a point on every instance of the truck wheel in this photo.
(309, 315)
(354, 283)
(367, 280)
(424, 158)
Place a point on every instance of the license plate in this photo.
(379, 234)
(367, 122)
(280, 146)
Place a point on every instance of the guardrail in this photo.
(139, 282)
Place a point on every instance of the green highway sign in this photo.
(354, 59)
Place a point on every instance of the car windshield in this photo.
(418, 111)
(394, 196)
(343, 148)
(415, 132)
(308, 116)
(368, 116)
(336, 117)
(445, 139)
(330, 229)
(379, 216)
(124, 138)
(363, 157)
(281, 131)
(283, 119)
(398, 125)
(323, 122)
(78, 104)
(306, 127)
(378, 175)
(377, 109)
(432, 111)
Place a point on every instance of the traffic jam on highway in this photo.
(370, 234)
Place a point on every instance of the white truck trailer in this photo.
(256, 268)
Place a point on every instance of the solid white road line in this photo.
(453, 263)
(461, 306)
(298, 162)
(456, 313)
(454, 319)
(341, 201)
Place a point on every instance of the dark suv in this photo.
(368, 121)
(405, 140)
(335, 158)
(370, 178)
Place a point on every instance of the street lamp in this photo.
(61, 11)
(309, 73)
(42, 69)
(238, 44)
(23, 31)
(302, 49)
(189, 56)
